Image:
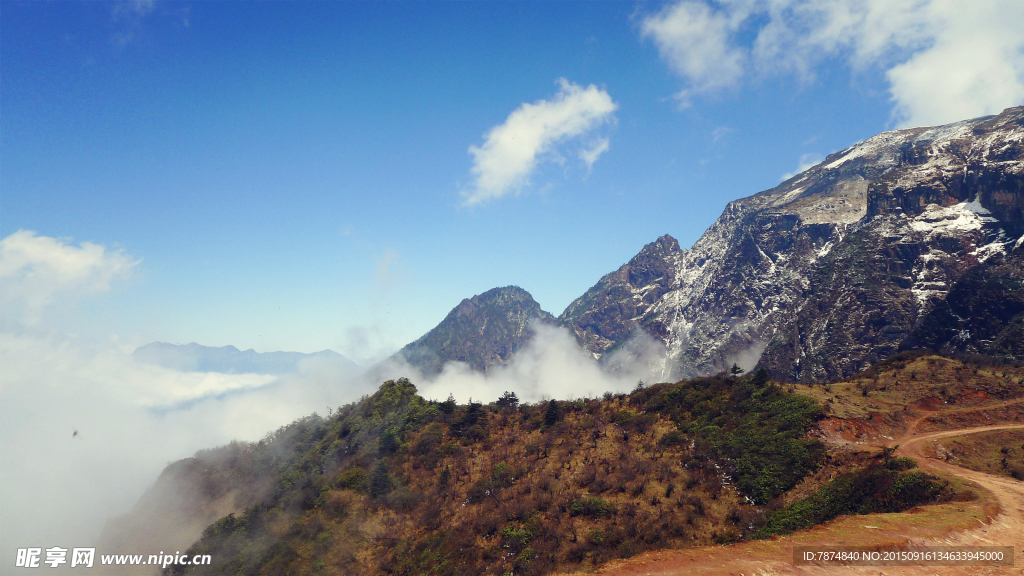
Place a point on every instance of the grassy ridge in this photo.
(396, 484)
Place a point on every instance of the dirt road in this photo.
(1006, 529)
(774, 557)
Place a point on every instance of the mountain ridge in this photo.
(193, 357)
(882, 231)
(908, 211)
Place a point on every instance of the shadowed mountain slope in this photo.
(483, 331)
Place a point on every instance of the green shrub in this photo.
(551, 414)
(429, 440)
(901, 463)
(503, 476)
(471, 424)
(380, 481)
(876, 488)
(753, 427)
(592, 507)
(673, 438)
(389, 442)
(516, 538)
(354, 478)
(624, 417)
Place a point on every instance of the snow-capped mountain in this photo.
(834, 268)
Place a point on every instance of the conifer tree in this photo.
(551, 414)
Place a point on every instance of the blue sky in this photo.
(301, 176)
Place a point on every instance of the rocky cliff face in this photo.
(983, 312)
(831, 270)
(483, 331)
(610, 312)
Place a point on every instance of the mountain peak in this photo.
(483, 331)
(610, 311)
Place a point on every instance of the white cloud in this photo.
(385, 277)
(975, 67)
(720, 132)
(511, 150)
(132, 8)
(552, 365)
(806, 161)
(944, 60)
(591, 154)
(697, 44)
(128, 16)
(131, 418)
(36, 271)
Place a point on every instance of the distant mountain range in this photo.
(912, 238)
(193, 357)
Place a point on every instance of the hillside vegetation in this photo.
(997, 453)
(396, 484)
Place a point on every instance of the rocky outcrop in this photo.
(612, 310)
(982, 314)
(483, 331)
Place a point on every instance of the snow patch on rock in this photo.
(943, 220)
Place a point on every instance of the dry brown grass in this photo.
(880, 530)
(922, 382)
(999, 453)
(657, 500)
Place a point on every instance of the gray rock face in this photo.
(831, 270)
(483, 331)
(610, 312)
(982, 314)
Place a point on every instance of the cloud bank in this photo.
(511, 150)
(86, 428)
(551, 366)
(38, 271)
(943, 60)
(131, 418)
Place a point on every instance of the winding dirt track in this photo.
(1006, 529)
(774, 558)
